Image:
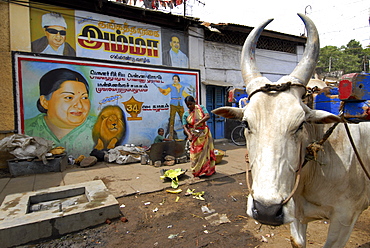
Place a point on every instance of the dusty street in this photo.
(157, 220)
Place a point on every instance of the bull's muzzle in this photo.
(269, 215)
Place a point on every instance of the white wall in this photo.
(221, 62)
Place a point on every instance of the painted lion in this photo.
(110, 128)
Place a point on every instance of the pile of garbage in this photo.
(26, 147)
(128, 153)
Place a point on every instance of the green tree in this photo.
(349, 58)
(353, 53)
(330, 58)
(366, 59)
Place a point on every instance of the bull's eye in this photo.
(300, 127)
(245, 124)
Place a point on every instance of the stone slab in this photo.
(3, 183)
(75, 176)
(47, 180)
(20, 225)
(18, 185)
(27, 167)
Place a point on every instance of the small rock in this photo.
(88, 161)
(124, 219)
(157, 163)
(108, 221)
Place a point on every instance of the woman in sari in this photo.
(202, 156)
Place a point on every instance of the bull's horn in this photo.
(248, 60)
(306, 66)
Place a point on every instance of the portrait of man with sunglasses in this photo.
(54, 41)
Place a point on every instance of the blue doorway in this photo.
(215, 98)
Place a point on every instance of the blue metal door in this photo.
(215, 98)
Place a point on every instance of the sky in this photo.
(337, 21)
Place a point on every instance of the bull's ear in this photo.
(229, 112)
(323, 117)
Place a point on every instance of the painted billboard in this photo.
(107, 37)
(84, 104)
(61, 31)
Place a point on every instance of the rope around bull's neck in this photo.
(277, 88)
(354, 148)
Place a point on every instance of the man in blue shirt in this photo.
(178, 94)
(175, 57)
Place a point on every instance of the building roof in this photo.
(162, 19)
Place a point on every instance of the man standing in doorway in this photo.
(175, 57)
(178, 95)
(54, 41)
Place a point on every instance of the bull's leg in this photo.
(340, 230)
(298, 232)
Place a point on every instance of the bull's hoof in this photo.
(294, 244)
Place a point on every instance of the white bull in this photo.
(279, 128)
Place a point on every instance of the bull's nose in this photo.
(269, 215)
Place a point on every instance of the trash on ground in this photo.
(147, 203)
(206, 210)
(163, 201)
(217, 219)
(177, 199)
(194, 215)
(199, 195)
(263, 239)
(176, 191)
(172, 236)
(196, 195)
(125, 154)
(155, 210)
(189, 192)
(233, 198)
(122, 206)
(173, 174)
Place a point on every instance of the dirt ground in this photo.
(157, 220)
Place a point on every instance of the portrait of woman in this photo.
(64, 107)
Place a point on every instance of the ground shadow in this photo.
(366, 245)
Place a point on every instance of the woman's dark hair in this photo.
(52, 80)
(177, 77)
(189, 99)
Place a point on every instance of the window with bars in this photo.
(237, 38)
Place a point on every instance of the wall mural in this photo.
(86, 104)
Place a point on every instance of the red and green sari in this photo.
(202, 156)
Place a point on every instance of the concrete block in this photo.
(30, 216)
(25, 167)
